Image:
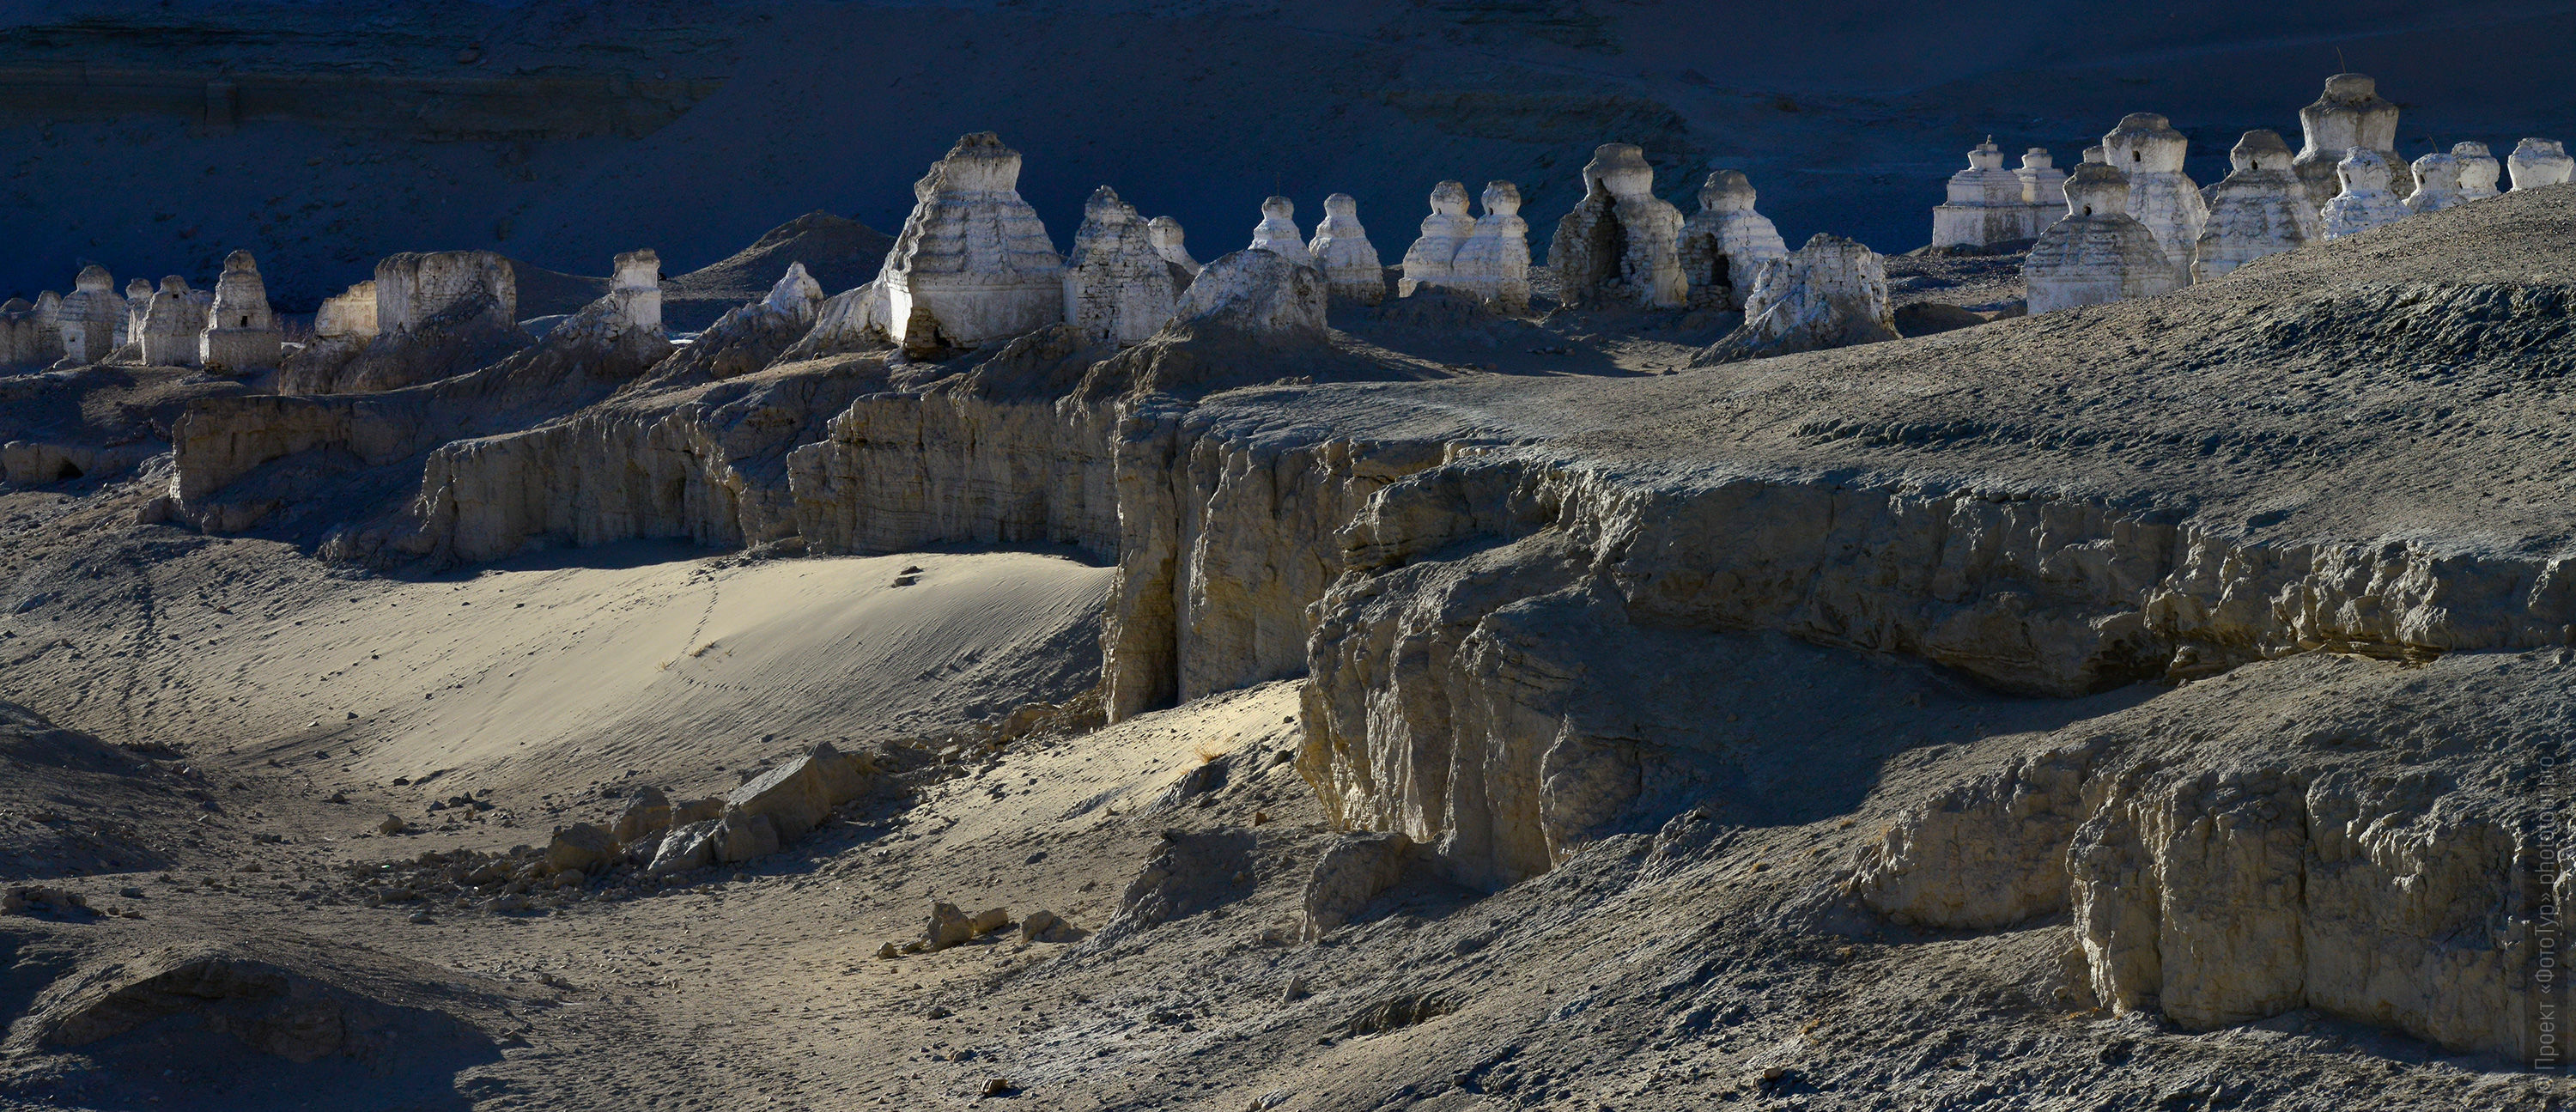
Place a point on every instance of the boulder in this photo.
(685, 847)
(948, 926)
(796, 796)
(989, 920)
(586, 847)
(741, 835)
(647, 813)
(1351, 873)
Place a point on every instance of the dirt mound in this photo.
(71, 804)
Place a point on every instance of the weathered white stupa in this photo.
(2098, 253)
(1117, 286)
(2258, 209)
(1725, 243)
(90, 316)
(351, 313)
(2147, 148)
(129, 329)
(31, 333)
(171, 326)
(1342, 250)
(2349, 114)
(2043, 191)
(1830, 293)
(1984, 204)
(457, 288)
(2366, 201)
(1621, 242)
(1494, 262)
(1167, 242)
(241, 334)
(2539, 162)
(2437, 184)
(635, 289)
(2479, 171)
(1278, 234)
(1257, 293)
(973, 263)
(1427, 262)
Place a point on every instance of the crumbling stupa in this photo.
(90, 316)
(2043, 191)
(1426, 263)
(2349, 114)
(129, 328)
(240, 334)
(1118, 288)
(350, 314)
(1985, 204)
(2147, 149)
(2479, 171)
(1494, 262)
(31, 333)
(1342, 250)
(2366, 201)
(2539, 162)
(1277, 233)
(2437, 184)
(973, 263)
(635, 288)
(171, 326)
(1167, 242)
(2098, 253)
(2258, 209)
(1257, 293)
(1621, 243)
(456, 288)
(1830, 293)
(1725, 243)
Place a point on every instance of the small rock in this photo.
(1036, 924)
(888, 951)
(948, 926)
(997, 1086)
(392, 825)
(420, 917)
(989, 920)
(1295, 991)
(937, 1012)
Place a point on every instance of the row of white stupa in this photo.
(2130, 223)
(172, 326)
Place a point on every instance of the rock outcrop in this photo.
(2349, 114)
(1428, 261)
(2366, 201)
(1985, 203)
(2258, 209)
(2147, 149)
(2098, 253)
(1725, 244)
(2437, 184)
(2539, 162)
(1621, 244)
(1830, 293)
(1118, 286)
(1351, 873)
(1493, 265)
(241, 334)
(1341, 249)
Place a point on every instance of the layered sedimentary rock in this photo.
(348, 314)
(2366, 201)
(2437, 184)
(2479, 171)
(1118, 286)
(2147, 149)
(2258, 209)
(973, 263)
(1830, 293)
(1341, 249)
(1427, 261)
(2539, 162)
(172, 324)
(1725, 243)
(2098, 253)
(91, 316)
(1493, 265)
(1621, 244)
(1985, 203)
(1168, 243)
(2043, 191)
(1278, 233)
(2349, 114)
(241, 334)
